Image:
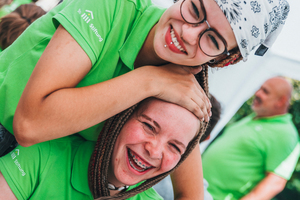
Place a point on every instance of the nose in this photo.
(190, 32)
(257, 92)
(154, 149)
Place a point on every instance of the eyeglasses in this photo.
(210, 41)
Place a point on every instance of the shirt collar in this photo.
(79, 176)
(276, 118)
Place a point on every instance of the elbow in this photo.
(24, 133)
(280, 187)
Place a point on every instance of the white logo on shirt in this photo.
(87, 16)
(13, 155)
(90, 13)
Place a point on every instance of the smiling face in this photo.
(151, 142)
(264, 100)
(272, 98)
(177, 41)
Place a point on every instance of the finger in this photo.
(194, 107)
(202, 109)
(198, 96)
(202, 98)
(207, 101)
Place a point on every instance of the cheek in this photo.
(158, 44)
(170, 162)
(132, 133)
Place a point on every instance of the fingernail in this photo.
(202, 119)
(207, 119)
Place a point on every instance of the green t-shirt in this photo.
(111, 32)
(56, 169)
(239, 159)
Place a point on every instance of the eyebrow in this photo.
(148, 118)
(156, 124)
(180, 144)
(265, 89)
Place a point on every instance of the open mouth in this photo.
(137, 163)
(175, 41)
(256, 101)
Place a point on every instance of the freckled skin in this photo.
(155, 148)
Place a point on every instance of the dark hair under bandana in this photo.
(100, 159)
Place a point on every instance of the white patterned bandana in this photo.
(255, 22)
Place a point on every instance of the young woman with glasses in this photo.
(86, 61)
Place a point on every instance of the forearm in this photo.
(6, 192)
(67, 111)
(188, 178)
(258, 194)
(51, 107)
(267, 188)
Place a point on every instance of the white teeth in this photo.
(135, 168)
(138, 163)
(175, 41)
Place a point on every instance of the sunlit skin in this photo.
(187, 35)
(158, 134)
(272, 98)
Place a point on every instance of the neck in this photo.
(270, 115)
(113, 192)
(114, 185)
(147, 55)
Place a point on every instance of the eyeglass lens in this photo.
(192, 11)
(210, 42)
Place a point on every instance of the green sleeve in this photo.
(22, 166)
(280, 145)
(89, 22)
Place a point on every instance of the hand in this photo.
(177, 84)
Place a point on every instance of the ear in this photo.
(281, 101)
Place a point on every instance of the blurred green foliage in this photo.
(292, 189)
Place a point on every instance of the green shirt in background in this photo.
(239, 159)
(110, 32)
(56, 169)
(6, 9)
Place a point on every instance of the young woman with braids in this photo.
(144, 143)
(73, 68)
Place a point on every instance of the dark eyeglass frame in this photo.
(209, 29)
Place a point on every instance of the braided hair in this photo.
(223, 61)
(101, 157)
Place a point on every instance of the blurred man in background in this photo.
(254, 158)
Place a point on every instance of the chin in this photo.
(129, 181)
(126, 178)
